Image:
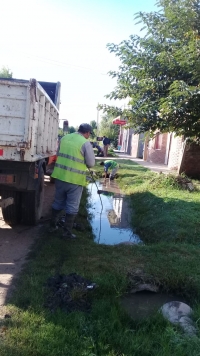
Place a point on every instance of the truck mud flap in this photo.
(12, 212)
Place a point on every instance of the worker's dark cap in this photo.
(85, 128)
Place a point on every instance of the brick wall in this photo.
(157, 155)
(175, 151)
(190, 164)
(134, 145)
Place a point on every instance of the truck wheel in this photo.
(12, 213)
(32, 203)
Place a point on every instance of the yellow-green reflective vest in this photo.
(70, 165)
(112, 163)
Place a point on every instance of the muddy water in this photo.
(110, 214)
(143, 304)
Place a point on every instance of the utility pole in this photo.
(97, 120)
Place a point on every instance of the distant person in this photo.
(106, 143)
(110, 164)
(74, 156)
(100, 152)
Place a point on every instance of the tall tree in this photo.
(5, 72)
(160, 72)
(93, 124)
(94, 128)
(108, 129)
(71, 129)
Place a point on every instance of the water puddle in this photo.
(110, 214)
(143, 304)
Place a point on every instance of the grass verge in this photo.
(166, 217)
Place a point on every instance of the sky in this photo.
(65, 41)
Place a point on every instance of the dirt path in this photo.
(16, 242)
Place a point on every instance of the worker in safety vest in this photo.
(110, 164)
(74, 156)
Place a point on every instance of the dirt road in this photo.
(15, 243)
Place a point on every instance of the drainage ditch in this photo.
(110, 214)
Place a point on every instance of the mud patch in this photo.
(69, 293)
(15, 243)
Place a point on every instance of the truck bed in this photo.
(29, 119)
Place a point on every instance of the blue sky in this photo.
(65, 40)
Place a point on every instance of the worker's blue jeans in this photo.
(67, 197)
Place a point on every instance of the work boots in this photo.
(54, 220)
(68, 226)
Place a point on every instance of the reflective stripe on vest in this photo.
(69, 168)
(71, 157)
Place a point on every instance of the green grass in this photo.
(161, 209)
(167, 219)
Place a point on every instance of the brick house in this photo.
(166, 148)
(190, 163)
(130, 143)
(178, 154)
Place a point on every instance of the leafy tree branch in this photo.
(160, 72)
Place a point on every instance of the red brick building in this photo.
(178, 154)
(173, 151)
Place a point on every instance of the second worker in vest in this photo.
(74, 157)
(110, 164)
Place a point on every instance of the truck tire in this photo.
(32, 203)
(12, 213)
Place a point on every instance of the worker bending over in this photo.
(99, 150)
(110, 164)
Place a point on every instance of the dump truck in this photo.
(29, 121)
